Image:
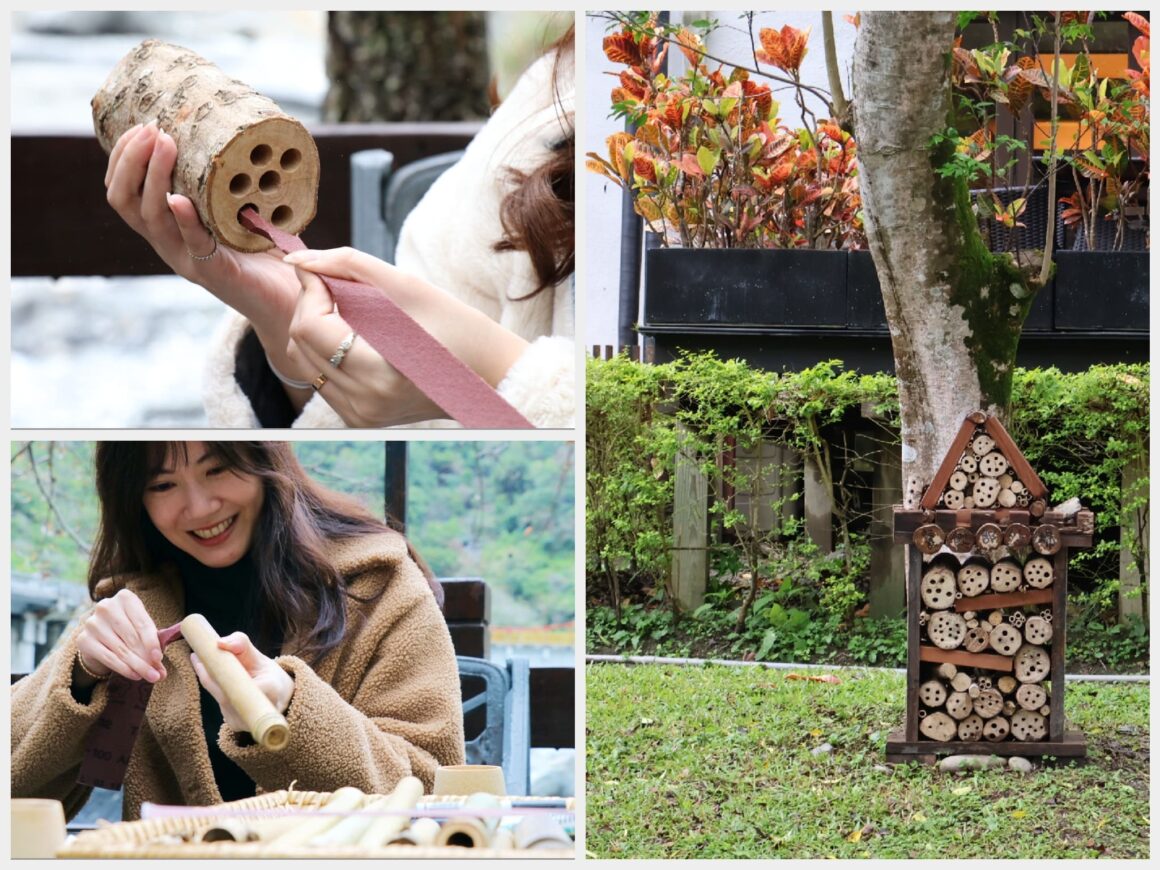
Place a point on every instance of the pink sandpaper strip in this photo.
(110, 741)
(400, 340)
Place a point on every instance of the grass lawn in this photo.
(704, 762)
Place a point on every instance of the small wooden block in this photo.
(1005, 600)
(927, 653)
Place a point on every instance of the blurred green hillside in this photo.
(503, 511)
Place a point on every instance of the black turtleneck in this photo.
(229, 599)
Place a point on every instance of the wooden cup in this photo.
(37, 827)
(467, 779)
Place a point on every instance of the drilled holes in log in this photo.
(281, 216)
(938, 587)
(1038, 630)
(982, 445)
(1006, 576)
(929, 539)
(993, 464)
(959, 705)
(1005, 639)
(270, 182)
(243, 208)
(996, 729)
(1038, 573)
(947, 630)
(968, 463)
(1017, 535)
(971, 728)
(1032, 664)
(240, 184)
(1045, 539)
(291, 159)
(261, 155)
(938, 726)
(1028, 725)
(989, 703)
(1031, 696)
(932, 693)
(973, 579)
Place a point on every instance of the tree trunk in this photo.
(407, 66)
(955, 310)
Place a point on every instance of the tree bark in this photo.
(955, 311)
(407, 66)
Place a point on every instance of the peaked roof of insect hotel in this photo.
(985, 469)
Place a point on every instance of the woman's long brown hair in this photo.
(300, 589)
(539, 213)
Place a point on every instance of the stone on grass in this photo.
(955, 763)
(884, 768)
(824, 749)
(1020, 764)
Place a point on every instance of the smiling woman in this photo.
(296, 579)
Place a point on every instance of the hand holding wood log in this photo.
(252, 690)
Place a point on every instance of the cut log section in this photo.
(960, 540)
(989, 703)
(971, 728)
(938, 726)
(1007, 684)
(234, 146)
(1038, 573)
(1032, 664)
(1006, 576)
(1046, 540)
(929, 538)
(958, 481)
(973, 578)
(1007, 498)
(969, 463)
(1037, 507)
(1017, 536)
(976, 639)
(947, 671)
(1005, 639)
(937, 588)
(981, 445)
(932, 693)
(985, 491)
(996, 728)
(1028, 725)
(946, 629)
(959, 705)
(961, 682)
(993, 464)
(1037, 630)
(953, 499)
(989, 536)
(1031, 696)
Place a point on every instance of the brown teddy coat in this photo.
(383, 704)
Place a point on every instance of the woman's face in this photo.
(204, 508)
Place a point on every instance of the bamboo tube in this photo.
(422, 832)
(384, 828)
(350, 829)
(267, 726)
(310, 826)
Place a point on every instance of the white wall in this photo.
(602, 198)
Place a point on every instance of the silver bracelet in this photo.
(290, 382)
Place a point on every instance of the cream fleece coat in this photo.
(382, 705)
(448, 239)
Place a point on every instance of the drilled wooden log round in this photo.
(234, 146)
(982, 445)
(1031, 696)
(932, 693)
(971, 728)
(1006, 576)
(928, 538)
(989, 536)
(1005, 639)
(1028, 725)
(976, 639)
(985, 491)
(958, 480)
(938, 726)
(1007, 684)
(1039, 572)
(989, 703)
(937, 587)
(1032, 664)
(1017, 535)
(973, 578)
(968, 463)
(960, 540)
(953, 499)
(946, 629)
(961, 682)
(993, 464)
(1038, 631)
(996, 728)
(1045, 539)
(947, 671)
(959, 705)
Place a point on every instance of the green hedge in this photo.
(1078, 431)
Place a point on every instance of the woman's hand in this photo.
(275, 683)
(118, 636)
(364, 389)
(259, 286)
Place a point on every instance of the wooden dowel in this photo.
(267, 726)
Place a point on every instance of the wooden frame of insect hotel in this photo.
(986, 605)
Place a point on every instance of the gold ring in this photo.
(319, 381)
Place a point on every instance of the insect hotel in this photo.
(986, 605)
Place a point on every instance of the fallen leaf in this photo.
(918, 817)
(815, 733)
(961, 790)
(855, 836)
(1019, 814)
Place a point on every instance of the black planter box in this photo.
(864, 307)
(1104, 290)
(743, 287)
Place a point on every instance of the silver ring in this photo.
(340, 354)
(319, 381)
(208, 256)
